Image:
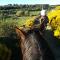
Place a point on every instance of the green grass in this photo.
(34, 12)
(7, 25)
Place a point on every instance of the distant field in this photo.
(34, 13)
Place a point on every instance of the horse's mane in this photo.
(41, 46)
(32, 46)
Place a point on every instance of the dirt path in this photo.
(53, 43)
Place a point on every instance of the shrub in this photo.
(54, 20)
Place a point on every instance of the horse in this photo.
(33, 46)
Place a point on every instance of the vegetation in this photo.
(10, 10)
(54, 20)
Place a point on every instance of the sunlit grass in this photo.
(8, 24)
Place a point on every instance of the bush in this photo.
(54, 21)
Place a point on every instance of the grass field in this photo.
(8, 24)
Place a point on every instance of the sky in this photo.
(51, 2)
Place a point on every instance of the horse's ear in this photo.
(20, 33)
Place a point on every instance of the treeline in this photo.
(16, 10)
(24, 7)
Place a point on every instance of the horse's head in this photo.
(29, 44)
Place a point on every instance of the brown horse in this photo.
(32, 46)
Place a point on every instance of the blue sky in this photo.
(5, 2)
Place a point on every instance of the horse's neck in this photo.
(30, 46)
